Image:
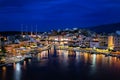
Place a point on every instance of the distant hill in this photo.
(6, 33)
(107, 28)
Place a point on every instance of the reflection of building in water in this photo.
(85, 57)
(24, 64)
(93, 65)
(51, 51)
(43, 55)
(94, 60)
(55, 51)
(4, 73)
(65, 59)
(43, 58)
(71, 53)
(77, 57)
(17, 72)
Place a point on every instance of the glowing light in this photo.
(4, 68)
(110, 42)
(66, 39)
(94, 47)
(94, 59)
(17, 73)
(4, 73)
(62, 39)
(24, 65)
(19, 56)
(18, 67)
(56, 39)
(29, 60)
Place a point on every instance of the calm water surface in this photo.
(48, 66)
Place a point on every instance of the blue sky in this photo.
(55, 14)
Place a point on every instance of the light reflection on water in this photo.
(95, 64)
(43, 58)
(4, 72)
(29, 61)
(63, 58)
(17, 72)
(94, 60)
(24, 64)
(77, 57)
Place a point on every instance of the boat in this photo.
(10, 61)
(28, 56)
(108, 54)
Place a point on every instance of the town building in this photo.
(94, 43)
(117, 43)
(103, 41)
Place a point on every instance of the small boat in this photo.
(28, 56)
(108, 54)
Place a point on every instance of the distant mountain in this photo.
(107, 28)
(6, 33)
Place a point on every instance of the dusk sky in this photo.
(55, 14)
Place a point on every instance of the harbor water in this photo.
(58, 65)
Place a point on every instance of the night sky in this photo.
(55, 14)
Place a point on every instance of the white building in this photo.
(94, 43)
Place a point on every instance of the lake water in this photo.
(51, 65)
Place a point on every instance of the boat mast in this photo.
(36, 29)
(31, 30)
(21, 29)
(26, 30)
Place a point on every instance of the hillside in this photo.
(108, 28)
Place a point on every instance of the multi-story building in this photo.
(84, 41)
(114, 42)
(94, 43)
(103, 41)
(117, 43)
(110, 42)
